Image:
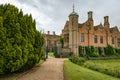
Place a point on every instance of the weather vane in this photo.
(73, 7)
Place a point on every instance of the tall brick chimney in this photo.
(106, 20)
(53, 32)
(90, 16)
(48, 32)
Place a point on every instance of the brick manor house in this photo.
(51, 40)
(87, 34)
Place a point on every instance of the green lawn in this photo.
(76, 72)
(51, 54)
(111, 67)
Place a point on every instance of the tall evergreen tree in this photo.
(20, 42)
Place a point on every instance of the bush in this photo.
(77, 60)
(110, 70)
(95, 54)
(81, 51)
(117, 52)
(87, 50)
(109, 50)
(100, 50)
(20, 42)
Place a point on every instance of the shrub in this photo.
(92, 49)
(88, 50)
(100, 50)
(109, 50)
(20, 42)
(110, 70)
(77, 60)
(95, 54)
(117, 52)
(81, 51)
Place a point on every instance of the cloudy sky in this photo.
(52, 14)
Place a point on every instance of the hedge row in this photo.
(92, 52)
(77, 60)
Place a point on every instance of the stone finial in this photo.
(90, 15)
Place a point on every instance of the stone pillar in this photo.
(73, 32)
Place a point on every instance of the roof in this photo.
(66, 27)
(73, 13)
(114, 29)
(98, 26)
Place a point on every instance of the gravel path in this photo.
(51, 69)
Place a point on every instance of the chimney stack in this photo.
(53, 32)
(48, 32)
(90, 16)
(106, 20)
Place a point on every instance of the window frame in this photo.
(95, 39)
(101, 39)
(82, 37)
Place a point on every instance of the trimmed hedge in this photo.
(91, 51)
(77, 60)
(81, 51)
(109, 50)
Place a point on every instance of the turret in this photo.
(73, 32)
(73, 18)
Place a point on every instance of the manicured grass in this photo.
(51, 54)
(76, 72)
(40, 62)
(110, 67)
